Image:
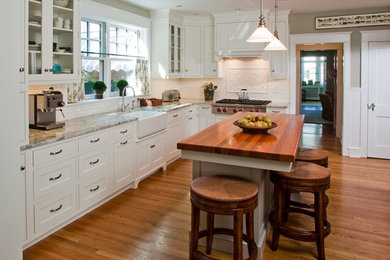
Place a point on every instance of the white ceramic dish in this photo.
(62, 3)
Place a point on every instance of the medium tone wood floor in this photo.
(152, 222)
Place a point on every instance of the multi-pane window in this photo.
(109, 53)
(313, 70)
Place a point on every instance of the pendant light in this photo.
(276, 44)
(262, 33)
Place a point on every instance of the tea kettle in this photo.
(243, 94)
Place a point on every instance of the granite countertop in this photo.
(85, 125)
(76, 127)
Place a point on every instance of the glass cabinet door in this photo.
(34, 37)
(63, 34)
(178, 49)
(172, 49)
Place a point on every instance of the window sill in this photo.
(94, 100)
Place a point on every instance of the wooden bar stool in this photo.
(304, 177)
(316, 156)
(224, 195)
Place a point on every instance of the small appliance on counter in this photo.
(171, 95)
(42, 109)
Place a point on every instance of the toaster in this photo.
(171, 95)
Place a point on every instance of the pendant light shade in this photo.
(262, 33)
(275, 45)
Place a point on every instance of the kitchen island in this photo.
(224, 149)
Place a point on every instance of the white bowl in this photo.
(62, 3)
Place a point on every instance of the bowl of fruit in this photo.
(255, 124)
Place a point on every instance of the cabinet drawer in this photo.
(94, 162)
(93, 190)
(276, 110)
(53, 178)
(54, 152)
(54, 211)
(124, 130)
(175, 116)
(94, 140)
(191, 111)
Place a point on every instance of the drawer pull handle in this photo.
(152, 146)
(190, 111)
(124, 132)
(55, 178)
(175, 115)
(95, 162)
(55, 153)
(57, 209)
(92, 190)
(275, 111)
(125, 142)
(190, 118)
(95, 141)
(22, 168)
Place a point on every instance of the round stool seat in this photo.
(316, 156)
(304, 174)
(223, 188)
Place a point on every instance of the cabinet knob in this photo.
(21, 69)
(46, 70)
(273, 70)
(152, 146)
(51, 70)
(186, 70)
(22, 168)
(214, 70)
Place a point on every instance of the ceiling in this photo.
(220, 6)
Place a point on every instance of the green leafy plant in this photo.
(121, 84)
(99, 86)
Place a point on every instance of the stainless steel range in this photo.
(231, 106)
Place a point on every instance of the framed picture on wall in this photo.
(344, 21)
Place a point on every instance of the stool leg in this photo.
(195, 215)
(286, 205)
(249, 220)
(210, 232)
(319, 201)
(278, 215)
(237, 240)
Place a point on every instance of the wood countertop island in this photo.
(279, 145)
(224, 149)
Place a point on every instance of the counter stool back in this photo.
(224, 195)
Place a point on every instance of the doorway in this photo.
(319, 84)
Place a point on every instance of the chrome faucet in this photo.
(123, 106)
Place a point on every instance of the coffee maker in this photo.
(42, 109)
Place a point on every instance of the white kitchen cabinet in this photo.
(218, 118)
(46, 62)
(150, 155)
(279, 59)
(93, 190)
(210, 63)
(21, 44)
(23, 117)
(193, 51)
(205, 116)
(277, 110)
(175, 134)
(166, 44)
(191, 125)
(124, 155)
(94, 162)
(54, 153)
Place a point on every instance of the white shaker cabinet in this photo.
(279, 59)
(205, 116)
(52, 47)
(191, 125)
(124, 155)
(193, 51)
(166, 44)
(210, 63)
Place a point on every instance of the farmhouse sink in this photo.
(150, 122)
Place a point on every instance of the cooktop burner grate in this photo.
(243, 102)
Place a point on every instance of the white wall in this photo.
(276, 90)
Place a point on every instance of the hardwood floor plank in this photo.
(152, 222)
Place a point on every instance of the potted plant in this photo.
(208, 89)
(121, 84)
(99, 87)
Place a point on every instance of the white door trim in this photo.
(367, 36)
(318, 38)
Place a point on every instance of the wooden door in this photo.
(378, 100)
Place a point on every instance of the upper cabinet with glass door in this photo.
(53, 40)
(175, 50)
